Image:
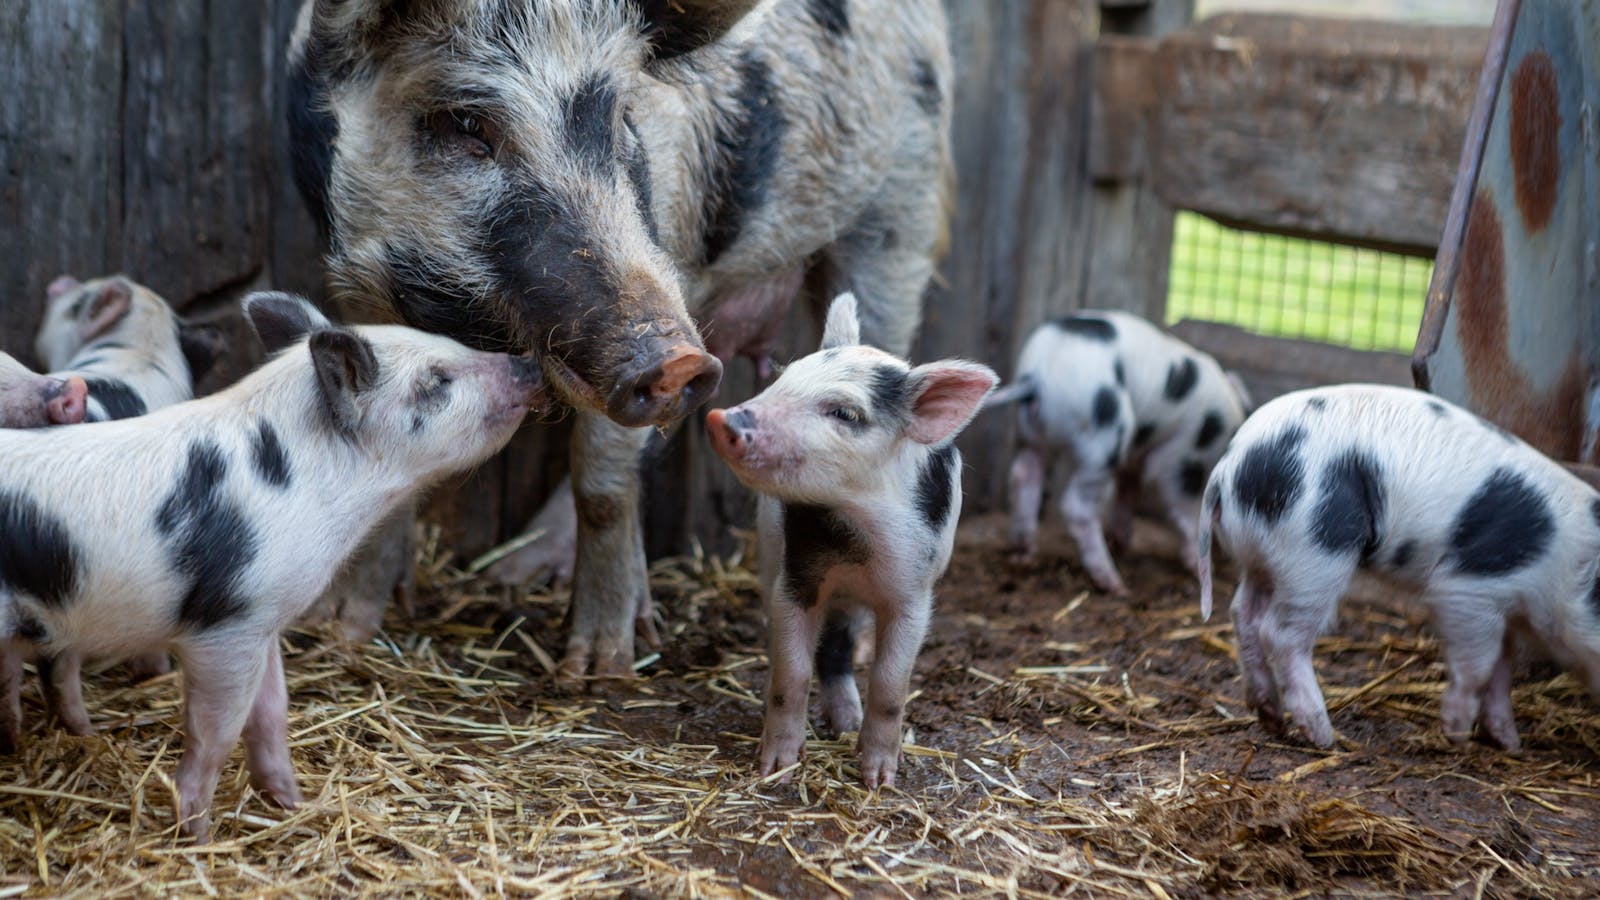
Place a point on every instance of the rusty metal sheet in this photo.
(1511, 328)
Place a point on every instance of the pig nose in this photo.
(70, 403)
(668, 389)
(730, 431)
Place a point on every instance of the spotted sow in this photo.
(214, 523)
(851, 450)
(1501, 544)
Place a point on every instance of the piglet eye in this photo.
(848, 415)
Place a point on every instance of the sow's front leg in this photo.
(610, 593)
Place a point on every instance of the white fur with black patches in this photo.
(188, 546)
(1124, 406)
(851, 451)
(1500, 544)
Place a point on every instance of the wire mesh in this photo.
(1288, 287)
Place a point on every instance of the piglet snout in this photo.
(731, 430)
(69, 404)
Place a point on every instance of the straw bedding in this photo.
(1062, 743)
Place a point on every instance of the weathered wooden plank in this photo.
(60, 152)
(1271, 366)
(196, 135)
(1339, 129)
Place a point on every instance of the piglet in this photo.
(124, 341)
(134, 354)
(215, 523)
(1501, 543)
(1125, 406)
(851, 451)
(31, 400)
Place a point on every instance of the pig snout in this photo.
(675, 383)
(68, 401)
(731, 432)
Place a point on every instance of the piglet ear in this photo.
(945, 396)
(202, 343)
(280, 319)
(63, 284)
(842, 328)
(110, 304)
(346, 368)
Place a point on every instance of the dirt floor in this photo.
(1061, 742)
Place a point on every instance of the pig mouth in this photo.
(570, 386)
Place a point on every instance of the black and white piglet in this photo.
(1501, 543)
(851, 450)
(216, 522)
(1125, 406)
(31, 400)
(122, 339)
(133, 354)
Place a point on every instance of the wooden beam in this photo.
(1271, 366)
(1331, 128)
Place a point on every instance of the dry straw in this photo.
(442, 759)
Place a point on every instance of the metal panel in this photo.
(1512, 324)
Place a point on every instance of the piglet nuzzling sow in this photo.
(1501, 543)
(216, 522)
(851, 450)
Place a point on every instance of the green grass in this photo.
(1295, 288)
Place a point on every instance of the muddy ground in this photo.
(1061, 742)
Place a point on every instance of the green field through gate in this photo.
(1288, 287)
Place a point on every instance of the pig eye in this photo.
(467, 131)
(847, 414)
(433, 386)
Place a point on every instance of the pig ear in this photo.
(202, 343)
(63, 284)
(945, 397)
(842, 328)
(346, 368)
(280, 319)
(676, 27)
(108, 306)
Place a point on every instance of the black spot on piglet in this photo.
(210, 541)
(1192, 477)
(270, 459)
(836, 649)
(1210, 430)
(118, 399)
(1104, 410)
(1349, 516)
(1181, 379)
(934, 485)
(1504, 526)
(1090, 327)
(1269, 477)
(37, 557)
(815, 539)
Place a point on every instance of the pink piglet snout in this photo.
(731, 431)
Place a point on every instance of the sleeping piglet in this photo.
(215, 523)
(851, 450)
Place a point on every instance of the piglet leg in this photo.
(1288, 632)
(10, 697)
(901, 627)
(792, 632)
(1081, 505)
(266, 737)
(62, 680)
(222, 676)
(841, 703)
(1473, 637)
(1250, 604)
(1499, 720)
(1027, 493)
(550, 555)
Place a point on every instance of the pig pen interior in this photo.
(1059, 739)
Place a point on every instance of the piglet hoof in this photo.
(1319, 733)
(1112, 585)
(840, 715)
(580, 656)
(197, 825)
(1022, 556)
(779, 753)
(75, 722)
(279, 787)
(1502, 732)
(878, 768)
(644, 623)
